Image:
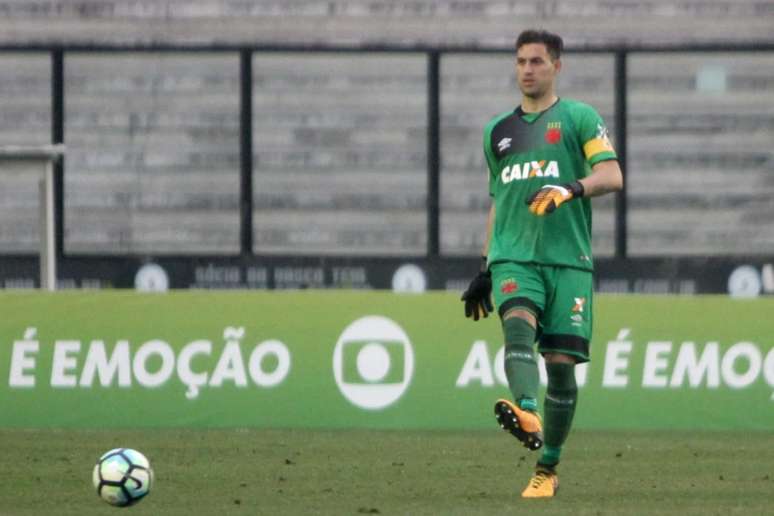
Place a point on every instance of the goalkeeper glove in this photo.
(477, 297)
(550, 197)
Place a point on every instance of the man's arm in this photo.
(605, 177)
(489, 225)
(478, 296)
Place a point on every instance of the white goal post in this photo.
(42, 159)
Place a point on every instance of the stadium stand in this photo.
(25, 119)
(701, 160)
(340, 143)
(340, 140)
(396, 21)
(153, 152)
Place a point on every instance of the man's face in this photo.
(535, 70)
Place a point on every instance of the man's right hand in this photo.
(477, 297)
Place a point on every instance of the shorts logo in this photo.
(373, 362)
(554, 133)
(579, 302)
(509, 286)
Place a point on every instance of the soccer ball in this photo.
(122, 477)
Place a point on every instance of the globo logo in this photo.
(373, 362)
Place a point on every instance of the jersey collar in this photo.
(520, 112)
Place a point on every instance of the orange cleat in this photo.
(524, 425)
(543, 484)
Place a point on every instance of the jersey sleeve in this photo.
(490, 158)
(594, 137)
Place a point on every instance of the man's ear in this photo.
(558, 65)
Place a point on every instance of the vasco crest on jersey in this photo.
(553, 133)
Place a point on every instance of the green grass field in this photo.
(225, 472)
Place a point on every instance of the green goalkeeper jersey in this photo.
(556, 146)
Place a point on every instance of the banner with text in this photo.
(334, 359)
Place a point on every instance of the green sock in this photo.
(520, 364)
(561, 398)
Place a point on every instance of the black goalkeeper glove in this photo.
(477, 297)
(550, 197)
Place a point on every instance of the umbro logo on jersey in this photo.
(504, 144)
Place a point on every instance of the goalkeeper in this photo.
(546, 159)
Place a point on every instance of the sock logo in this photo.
(560, 401)
(373, 362)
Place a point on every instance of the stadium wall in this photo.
(159, 167)
(364, 360)
(362, 22)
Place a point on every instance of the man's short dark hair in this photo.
(553, 42)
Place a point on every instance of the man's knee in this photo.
(521, 314)
(559, 358)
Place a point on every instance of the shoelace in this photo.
(539, 478)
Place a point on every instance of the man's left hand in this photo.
(550, 197)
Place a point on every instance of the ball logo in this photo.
(409, 278)
(373, 362)
(151, 277)
(745, 281)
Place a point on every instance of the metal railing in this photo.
(434, 56)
